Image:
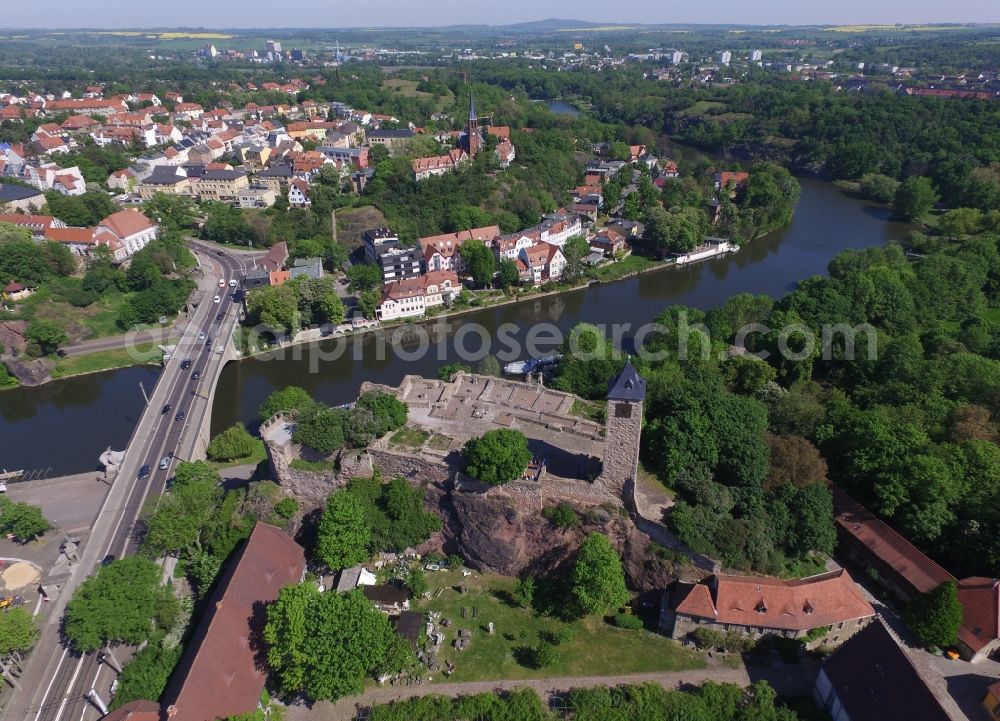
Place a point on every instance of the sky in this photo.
(405, 13)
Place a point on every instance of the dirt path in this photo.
(346, 709)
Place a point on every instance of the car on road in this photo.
(220, 316)
(196, 375)
(222, 283)
(185, 364)
(108, 560)
(220, 254)
(144, 472)
(220, 349)
(201, 336)
(217, 299)
(164, 463)
(233, 283)
(181, 415)
(166, 408)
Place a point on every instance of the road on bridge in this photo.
(57, 679)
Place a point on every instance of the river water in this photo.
(66, 424)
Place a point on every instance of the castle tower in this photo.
(472, 130)
(623, 429)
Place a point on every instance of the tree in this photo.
(794, 461)
(507, 275)
(390, 412)
(124, 602)
(275, 307)
(45, 335)
(936, 616)
(479, 260)
(878, 187)
(498, 456)
(575, 250)
(18, 633)
(524, 591)
(914, 198)
(289, 399)
(321, 428)
(445, 372)
(368, 302)
(597, 581)
(234, 442)
(225, 224)
(323, 645)
(617, 150)
(416, 581)
(489, 366)
(960, 221)
(22, 520)
(146, 675)
(343, 536)
(182, 515)
(363, 276)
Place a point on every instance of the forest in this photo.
(908, 425)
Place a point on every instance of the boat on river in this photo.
(532, 365)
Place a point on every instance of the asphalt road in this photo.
(57, 680)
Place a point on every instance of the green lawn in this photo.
(94, 362)
(412, 437)
(631, 264)
(593, 648)
(591, 410)
(992, 315)
(301, 464)
(701, 108)
(259, 454)
(440, 442)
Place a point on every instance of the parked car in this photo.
(144, 472)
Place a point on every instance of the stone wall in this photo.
(621, 449)
(311, 488)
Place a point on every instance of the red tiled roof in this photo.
(448, 243)
(71, 235)
(697, 601)
(980, 599)
(127, 222)
(994, 691)
(221, 673)
(135, 711)
(886, 544)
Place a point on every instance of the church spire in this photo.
(472, 108)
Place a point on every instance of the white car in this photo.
(217, 299)
(233, 283)
(222, 283)
(220, 349)
(201, 336)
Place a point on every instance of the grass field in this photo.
(591, 410)
(301, 464)
(411, 437)
(259, 454)
(592, 648)
(94, 362)
(631, 264)
(408, 89)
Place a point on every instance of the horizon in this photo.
(767, 14)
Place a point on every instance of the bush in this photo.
(707, 638)
(286, 508)
(234, 442)
(562, 516)
(524, 592)
(625, 620)
(445, 372)
(394, 512)
(290, 399)
(544, 654)
(22, 520)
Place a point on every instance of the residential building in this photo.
(731, 180)
(505, 152)
(250, 198)
(123, 180)
(221, 185)
(760, 606)
(979, 635)
(132, 231)
(424, 168)
(306, 267)
(14, 291)
(298, 194)
(170, 181)
(441, 251)
(394, 141)
(870, 678)
(411, 297)
(542, 262)
(220, 674)
(347, 157)
(18, 197)
(275, 258)
(397, 261)
(39, 225)
(992, 701)
(882, 553)
(375, 237)
(68, 181)
(609, 243)
(277, 177)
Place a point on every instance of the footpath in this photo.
(791, 680)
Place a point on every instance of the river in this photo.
(66, 424)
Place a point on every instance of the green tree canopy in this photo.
(936, 616)
(914, 197)
(343, 536)
(597, 581)
(290, 398)
(498, 456)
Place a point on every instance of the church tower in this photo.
(472, 130)
(623, 428)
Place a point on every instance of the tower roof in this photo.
(628, 385)
(472, 108)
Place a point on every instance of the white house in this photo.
(298, 194)
(542, 262)
(411, 297)
(132, 231)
